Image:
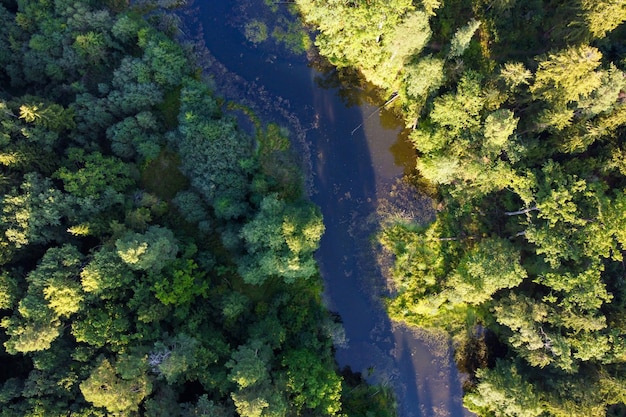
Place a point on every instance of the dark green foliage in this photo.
(214, 153)
(121, 181)
(313, 385)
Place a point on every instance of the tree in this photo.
(103, 275)
(355, 34)
(423, 77)
(213, 153)
(173, 358)
(97, 174)
(280, 241)
(48, 115)
(567, 75)
(91, 47)
(515, 75)
(106, 388)
(9, 290)
(408, 38)
(462, 38)
(603, 16)
(33, 214)
(249, 364)
(524, 317)
(149, 251)
(206, 408)
(503, 391)
(490, 265)
(53, 294)
(498, 128)
(36, 327)
(312, 384)
(164, 59)
(179, 284)
(106, 325)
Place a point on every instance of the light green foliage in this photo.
(582, 291)
(98, 174)
(515, 74)
(35, 330)
(603, 16)
(465, 145)
(250, 403)
(423, 77)
(354, 34)
(311, 384)
(604, 98)
(461, 111)
(525, 317)
(53, 294)
(417, 272)
(528, 165)
(502, 391)
(431, 5)
(149, 251)
(106, 388)
(33, 213)
(180, 283)
(491, 265)
(293, 35)
(409, 38)
(49, 115)
(104, 274)
(280, 241)
(568, 75)
(499, 126)
(462, 38)
(91, 47)
(566, 203)
(107, 325)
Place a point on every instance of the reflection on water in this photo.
(352, 173)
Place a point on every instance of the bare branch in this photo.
(524, 211)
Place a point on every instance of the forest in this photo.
(156, 258)
(516, 110)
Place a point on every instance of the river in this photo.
(353, 156)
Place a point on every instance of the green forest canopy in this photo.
(154, 260)
(517, 112)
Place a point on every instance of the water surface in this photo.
(351, 172)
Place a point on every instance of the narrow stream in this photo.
(351, 173)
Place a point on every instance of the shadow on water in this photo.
(350, 171)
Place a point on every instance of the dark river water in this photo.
(351, 172)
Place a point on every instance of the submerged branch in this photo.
(393, 97)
